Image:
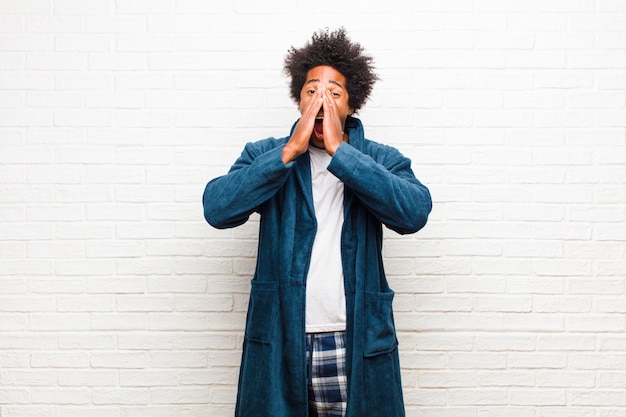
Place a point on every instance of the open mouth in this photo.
(319, 127)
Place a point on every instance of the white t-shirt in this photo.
(325, 296)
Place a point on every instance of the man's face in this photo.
(332, 80)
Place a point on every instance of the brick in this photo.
(611, 379)
(214, 376)
(189, 322)
(450, 379)
(58, 322)
(77, 341)
(82, 118)
(115, 212)
(27, 304)
(115, 249)
(143, 303)
(23, 118)
(57, 61)
(186, 395)
(509, 411)
(145, 230)
(85, 267)
(149, 411)
(14, 360)
(558, 267)
(205, 303)
(85, 303)
(136, 119)
(32, 342)
(146, 266)
(566, 342)
(202, 341)
(536, 360)
(443, 303)
(505, 378)
(31, 43)
(109, 322)
(11, 99)
(562, 6)
(80, 194)
(476, 397)
(108, 285)
(84, 43)
(115, 136)
(84, 231)
(12, 213)
(138, 80)
(56, 286)
(560, 379)
(30, 267)
(13, 250)
(114, 24)
(180, 359)
(26, 81)
(89, 7)
(83, 81)
(150, 156)
(509, 41)
(12, 137)
(467, 321)
(57, 100)
(121, 100)
(146, 6)
(610, 398)
(595, 323)
(561, 304)
(12, 322)
(126, 396)
(544, 397)
(11, 23)
(54, 213)
(145, 378)
(504, 304)
(87, 378)
(47, 23)
(15, 396)
(147, 341)
(109, 175)
(119, 360)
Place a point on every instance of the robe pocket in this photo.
(380, 333)
(262, 311)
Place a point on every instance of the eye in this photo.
(310, 91)
(335, 94)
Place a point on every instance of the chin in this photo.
(317, 143)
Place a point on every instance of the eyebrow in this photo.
(317, 80)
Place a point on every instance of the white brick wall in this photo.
(117, 300)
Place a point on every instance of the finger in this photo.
(313, 107)
(329, 107)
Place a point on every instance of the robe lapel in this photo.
(303, 175)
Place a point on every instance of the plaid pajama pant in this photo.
(326, 359)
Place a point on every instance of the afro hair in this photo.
(333, 49)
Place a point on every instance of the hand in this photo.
(333, 125)
(299, 141)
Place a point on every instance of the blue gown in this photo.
(380, 189)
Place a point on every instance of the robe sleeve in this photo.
(254, 178)
(385, 183)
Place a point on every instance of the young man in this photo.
(320, 338)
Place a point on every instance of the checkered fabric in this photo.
(326, 359)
